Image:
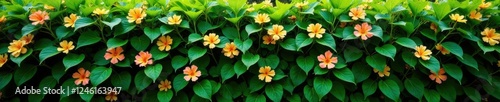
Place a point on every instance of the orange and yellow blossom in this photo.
(277, 32)
(327, 60)
(490, 36)
(442, 49)
(17, 48)
(99, 11)
(27, 38)
(438, 77)
(164, 43)
(383, 73)
(301, 5)
(230, 50)
(82, 77)
(111, 96)
(174, 20)
(434, 27)
(3, 19)
(39, 17)
(475, 15)
(3, 59)
(192, 73)
(423, 52)
(484, 5)
(458, 18)
(65, 46)
(143, 59)
(357, 13)
(70, 20)
(136, 15)
(363, 30)
(165, 85)
(48, 7)
(266, 74)
(315, 30)
(211, 40)
(115, 54)
(262, 18)
(267, 3)
(268, 40)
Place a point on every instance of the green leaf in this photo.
(274, 92)
(152, 33)
(141, 81)
(429, 34)
(409, 58)
(454, 48)
(83, 22)
(454, 71)
(28, 29)
(328, 41)
(203, 89)
(57, 72)
(230, 33)
(178, 62)
(239, 68)
(112, 23)
(158, 55)
(415, 87)
(473, 94)
(406, 42)
(376, 61)
(344, 74)
(227, 71)
(305, 63)
(165, 96)
(271, 60)
(250, 59)
(469, 61)
(99, 75)
(447, 91)
(441, 10)
(377, 31)
(124, 27)
(88, 38)
(369, 87)
(243, 46)
(389, 88)
(6, 77)
(196, 52)
(19, 59)
(166, 29)
(71, 60)
(352, 54)
(255, 84)
(153, 72)
(255, 98)
(139, 43)
(24, 73)
(431, 64)
(179, 82)
(310, 94)
(338, 90)
(122, 79)
(45, 53)
(417, 6)
(289, 44)
(302, 40)
(115, 42)
(62, 32)
(193, 37)
(39, 45)
(252, 28)
(387, 50)
(322, 86)
(204, 26)
(297, 75)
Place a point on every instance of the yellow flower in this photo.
(230, 50)
(165, 85)
(70, 20)
(383, 73)
(458, 18)
(17, 47)
(433, 27)
(301, 5)
(442, 49)
(3, 59)
(164, 43)
(315, 30)
(268, 40)
(65, 46)
(357, 13)
(266, 74)
(39, 17)
(267, 3)
(484, 5)
(262, 18)
(3, 19)
(174, 20)
(438, 77)
(490, 36)
(100, 12)
(136, 14)
(250, 9)
(27, 38)
(423, 52)
(48, 7)
(192, 73)
(475, 15)
(277, 32)
(211, 40)
(427, 7)
(111, 96)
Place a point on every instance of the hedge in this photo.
(231, 50)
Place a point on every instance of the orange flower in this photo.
(442, 49)
(315, 30)
(143, 59)
(99, 11)
(458, 18)
(475, 15)
(48, 7)
(66, 46)
(164, 43)
(327, 60)
(115, 54)
(342, 24)
(266, 74)
(433, 27)
(439, 77)
(490, 36)
(230, 50)
(174, 20)
(363, 30)
(39, 17)
(82, 77)
(383, 73)
(3, 19)
(17, 47)
(484, 5)
(165, 85)
(277, 32)
(70, 20)
(268, 40)
(192, 73)
(422, 52)
(211, 40)
(111, 96)
(357, 13)
(27, 38)
(262, 18)
(136, 14)
(3, 59)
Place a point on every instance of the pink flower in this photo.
(326, 60)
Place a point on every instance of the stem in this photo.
(310, 47)
(449, 32)
(179, 33)
(50, 30)
(364, 46)
(212, 54)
